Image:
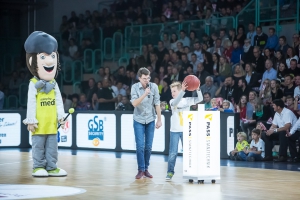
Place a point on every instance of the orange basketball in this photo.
(192, 82)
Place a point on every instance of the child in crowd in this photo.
(226, 107)
(257, 148)
(240, 146)
(214, 104)
(178, 104)
(163, 106)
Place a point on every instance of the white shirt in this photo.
(117, 91)
(288, 60)
(178, 105)
(260, 146)
(295, 127)
(286, 116)
(297, 91)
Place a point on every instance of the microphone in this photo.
(148, 86)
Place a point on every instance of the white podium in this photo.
(201, 146)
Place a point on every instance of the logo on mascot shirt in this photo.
(47, 102)
(96, 130)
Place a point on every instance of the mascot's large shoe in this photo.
(39, 172)
(57, 172)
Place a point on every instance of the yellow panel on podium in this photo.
(201, 146)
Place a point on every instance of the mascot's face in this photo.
(46, 65)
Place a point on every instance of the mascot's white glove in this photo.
(62, 123)
(32, 127)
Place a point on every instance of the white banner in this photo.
(10, 129)
(64, 136)
(230, 134)
(96, 131)
(190, 136)
(128, 139)
(209, 145)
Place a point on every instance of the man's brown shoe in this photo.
(147, 174)
(281, 159)
(139, 175)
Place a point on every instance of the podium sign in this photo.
(201, 145)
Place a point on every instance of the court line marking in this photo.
(16, 162)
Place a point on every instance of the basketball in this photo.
(192, 82)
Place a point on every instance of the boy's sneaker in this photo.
(57, 172)
(39, 172)
(169, 176)
(250, 159)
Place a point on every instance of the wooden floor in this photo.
(108, 177)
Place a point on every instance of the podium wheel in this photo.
(191, 180)
(213, 181)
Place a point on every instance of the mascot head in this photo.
(41, 55)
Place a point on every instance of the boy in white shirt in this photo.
(178, 105)
(257, 147)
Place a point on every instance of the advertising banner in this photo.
(209, 145)
(190, 143)
(64, 136)
(96, 131)
(230, 134)
(128, 139)
(10, 129)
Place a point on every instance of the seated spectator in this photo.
(184, 39)
(174, 40)
(157, 82)
(260, 39)
(272, 41)
(195, 62)
(185, 62)
(152, 73)
(176, 76)
(193, 39)
(189, 70)
(294, 70)
(206, 100)
(281, 73)
(279, 58)
(228, 48)
(252, 78)
(258, 63)
(166, 91)
(125, 104)
(132, 66)
(237, 53)
(164, 106)
(276, 92)
(118, 89)
(201, 73)
(208, 62)
(226, 107)
(214, 104)
(240, 146)
(297, 85)
(241, 36)
(283, 120)
(270, 72)
(217, 48)
(232, 35)
(224, 69)
(292, 104)
(243, 88)
(100, 74)
(282, 45)
(290, 55)
(289, 87)
(160, 51)
(239, 74)
(268, 54)
(75, 98)
(247, 56)
(252, 33)
(166, 41)
(83, 104)
(209, 86)
(228, 90)
(257, 148)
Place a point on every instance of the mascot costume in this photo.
(44, 106)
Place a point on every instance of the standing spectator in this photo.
(289, 86)
(92, 90)
(83, 104)
(282, 45)
(252, 33)
(270, 72)
(283, 120)
(261, 38)
(272, 41)
(105, 97)
(209, 87)
(258, 63)
(290, 55)
(184, 39)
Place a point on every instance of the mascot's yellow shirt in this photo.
(46, 112)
